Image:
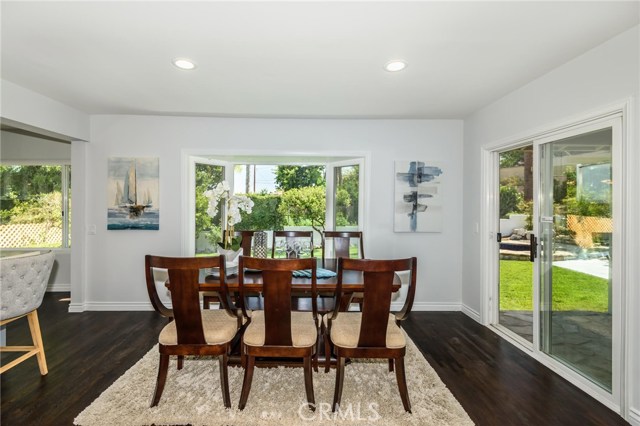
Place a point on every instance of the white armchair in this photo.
(23, 281)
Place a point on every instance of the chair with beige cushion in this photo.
(193, 331)
(374, 332)
(277, 331)
(24, 280)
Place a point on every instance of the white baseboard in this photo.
(118, 306)
(471, 313)
(76, 307)
(59, 287)
(634, 416)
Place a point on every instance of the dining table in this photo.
(352, 282)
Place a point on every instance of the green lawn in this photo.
(571, 290)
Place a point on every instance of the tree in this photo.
(512, 158)
(207, 176)
(305, 206)
(290, 177)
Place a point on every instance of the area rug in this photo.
(192, 396)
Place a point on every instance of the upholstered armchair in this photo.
(23, 281)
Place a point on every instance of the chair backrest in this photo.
(378, 276)
(24, 280)
(245, 241)
(184, 273)
(340, 242)
(293, 241)
(277, 275)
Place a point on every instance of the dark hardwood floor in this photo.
(495, 382)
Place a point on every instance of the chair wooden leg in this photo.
(224, 379)
(162, 379)
(337, 395)
(402, 384)
(180, 362)
(327, 352)
(390, 365)
(206, 302)
(246, 383)
(36, 335)
(308, 383)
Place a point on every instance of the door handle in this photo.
(533, 248)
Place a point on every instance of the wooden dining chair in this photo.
(193, 331)
(374, 332)
(210, 297)
(277, 331)
(340, 244)
(292, 241)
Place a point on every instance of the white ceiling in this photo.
(296, 59)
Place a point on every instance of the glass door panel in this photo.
(576, 228)
(516, 269)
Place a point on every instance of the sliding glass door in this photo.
(558, 285)
(575, 224)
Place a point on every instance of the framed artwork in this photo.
(418, 196)
(132, 193)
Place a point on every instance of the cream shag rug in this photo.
(193, 396)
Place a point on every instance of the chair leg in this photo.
(162, 379)
(327, 352)
(206, 302)
(36, 335)
(337, 395)
(224, 379)
(402, 384)
(180, 362)
(390, 365)
(246, 383)
(308, 383)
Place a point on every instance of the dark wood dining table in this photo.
(352, 282)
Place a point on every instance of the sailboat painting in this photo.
(418, 196)
(132, 193)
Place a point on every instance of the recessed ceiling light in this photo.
(394, 66)
(184, 64)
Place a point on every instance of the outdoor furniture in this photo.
(24, 280)
(277, 331)
(374, 332)
(193, 331)
(294, 243)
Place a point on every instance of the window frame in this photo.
(228, 159)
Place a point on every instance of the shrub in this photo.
(510, 200)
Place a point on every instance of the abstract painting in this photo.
(418, 197)
(132, 193)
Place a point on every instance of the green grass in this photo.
(572, 291)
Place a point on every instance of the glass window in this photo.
(346, 196)
(34, 206)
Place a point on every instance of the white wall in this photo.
(23, 148)
(115, 258)
(33, 111)
(606, 74)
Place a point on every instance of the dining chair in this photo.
(277, 331)
(294, 242)
(339, 243)
(24, 281)
(374, 332)
(193, 331)
(209, 297)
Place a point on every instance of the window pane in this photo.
(30, 206)
(347, 192)
(207, 228)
